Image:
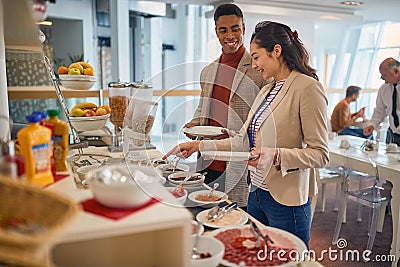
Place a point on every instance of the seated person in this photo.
(342, 119)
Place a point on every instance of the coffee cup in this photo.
(332, 135)
(392, 147)
(344, 143)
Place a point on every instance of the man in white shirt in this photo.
(387, 101)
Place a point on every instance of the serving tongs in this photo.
(217, 213)
(259, 235)
(173, 163)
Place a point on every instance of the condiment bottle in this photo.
(34, 144)
(61, 140)
(50, 126)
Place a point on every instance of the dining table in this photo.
(388, 166)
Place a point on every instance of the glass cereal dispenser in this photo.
(118, 93)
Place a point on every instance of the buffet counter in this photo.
(140, 239)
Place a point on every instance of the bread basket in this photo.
(34, 204)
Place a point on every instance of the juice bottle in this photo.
(61, 139)
(34, 145)
(44, 123)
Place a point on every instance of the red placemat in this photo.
(92, 206)
(59, 177)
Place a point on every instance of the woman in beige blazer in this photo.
(286, 128)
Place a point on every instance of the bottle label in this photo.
(41, 157)
(58, 151)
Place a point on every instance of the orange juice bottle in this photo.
(61, 139)
(34, 145)
(51, 127)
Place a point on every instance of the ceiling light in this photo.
(352, 3)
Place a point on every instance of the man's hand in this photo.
(190, 125)
(361, 112)
(368, 130)
(265, 158)
(183, 150)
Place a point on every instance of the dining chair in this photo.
(325, 176)
(376, 197)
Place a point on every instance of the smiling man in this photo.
(229, 86)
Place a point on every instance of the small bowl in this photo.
(113, 186)
(181, 199)
(208, 244)
(199, 178)
(92, 123)
(208, 204)
(195, 224)
(166, 170)
(77, 82)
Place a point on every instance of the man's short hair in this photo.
(351, 90)
(393, 63)
(227, 9)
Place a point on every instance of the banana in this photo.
(85, 105)
(85, 65)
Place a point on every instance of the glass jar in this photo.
(118, 94)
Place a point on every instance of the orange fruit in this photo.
(107, 108)
(62, 70)
(88, 71)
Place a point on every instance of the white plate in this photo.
(277, 235)
(225, 155)
(202, 217)
(207, 204)
(203, 131)
(393, 152)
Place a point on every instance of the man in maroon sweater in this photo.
(229, 87)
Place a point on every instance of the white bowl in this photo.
(77, 82)
(181, 199)
(208, 204)
(89, 123)
(195, 224)
(120, 192)
(208, 244)
(172, 178)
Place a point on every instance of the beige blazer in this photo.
(297, 124)
(245, 88)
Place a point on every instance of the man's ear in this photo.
(244, 28)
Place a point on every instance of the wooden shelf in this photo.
(45, 92)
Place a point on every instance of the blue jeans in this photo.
(359, 132)
(294, 219)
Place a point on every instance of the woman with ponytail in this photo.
(286, 130)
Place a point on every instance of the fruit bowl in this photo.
(89, 123)
(77, 82)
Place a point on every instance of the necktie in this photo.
(394, 106)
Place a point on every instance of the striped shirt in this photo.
(256, 176)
